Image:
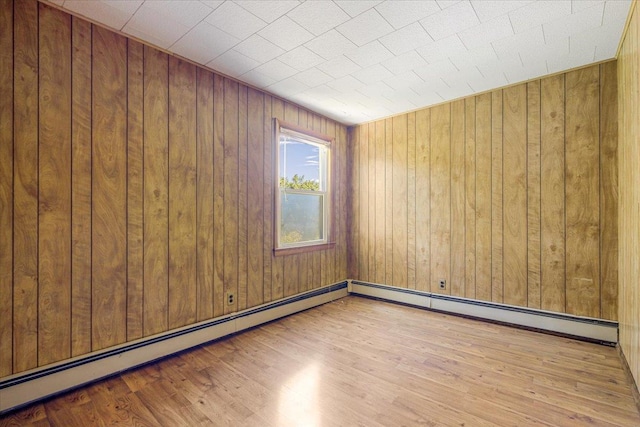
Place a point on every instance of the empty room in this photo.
(320, 212)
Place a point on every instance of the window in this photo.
(303, 194)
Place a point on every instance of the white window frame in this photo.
(325, 142)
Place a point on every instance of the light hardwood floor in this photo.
(362, 362)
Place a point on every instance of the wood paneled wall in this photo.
(510, 196)
(136, 189)
(629, 154)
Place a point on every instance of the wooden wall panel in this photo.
(54, 195)
(363, 195)
(582, 187)
(6, 186)
(488, 214)
(628, 73)
(136, 189)
(109, 190)
(25, 185)
(515, 195)
(182, 193)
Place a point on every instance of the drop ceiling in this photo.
(357, 60)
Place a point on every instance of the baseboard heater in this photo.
(598, 330)
(24, 388)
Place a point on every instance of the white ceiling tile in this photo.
(492, 81)
(537, 13)
(235, 20)
(615, 12)
(462, 77)
(500, 66)
(213, 4)
(257, 79)
(258, 48)
(526, 72)
(313, 77)
(301, 58)
(474, 57)
(452, 20)
(321, 91)
(372, 74)
(578, 5)
(318, 16)
(369, 54)
(552, 49)
(447, 3)
(356, 7)
(575, 23)
(430, 89)
(346, 83)
(442, 49)
(486, 32)
(399, 13)
(606, 38)
(456, 92)
(525, 41)
(285, 33)
(203, 43)
(287, 87)
(410, 37)
(365, 28)
(268, 10)
(405, 62)
(436, 70)
(576, 58)
(111, 14)
(403, 81)
(276, 70)
(150, 21)
(233, 63)
(489, 9)
(375, 89)
(339, 67)
(330, 44)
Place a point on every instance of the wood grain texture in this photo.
(182, 193)
(242, 196)
(423, 209)
(218, 195)
(268, 188)
(54, 192)
(533, 194)
(458, 119)
(371, 201)
(608, 191)
(552, 203)
(483, 198)
(515, 195)
(399, 201)
(363, 207)
(231, 201)
(256, 202)
(109, 190)
(204, 191)
(379, 206)
(25, 186)
(470, 199)
(411, 201)
(440, 169)
(156, 191)
(6, 187)
(497, 197)
(582, 189)
(388, 197)
(135, 190)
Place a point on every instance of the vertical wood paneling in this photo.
(552, 212)
(135, 190)
(6, 186)
(231, 200)
(411, 201)
(354, 203)
(291, 276)
(515, 195)
(582, 189)
(109, 190)
(371, 173)
(25, 186)
(533, 194)
(399, 201)
(470, 198)
(440, 215)
(458, 122)
(218, 195)
(204, 191)
(242, 196)
(497, 199)
(483, 198)
(156, 177)
(329, 264)
(54, 195)
(268, 212)
(363, 195)
(255, 202)
(423, 209)
(277, 266)
(342, 207)
(608, 191)
(380, 233)
(182, 193)
(305, 278)
(388, 206)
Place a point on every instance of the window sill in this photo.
(303, 249)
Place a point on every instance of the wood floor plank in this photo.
(359, 361)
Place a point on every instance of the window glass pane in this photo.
(300, 165)
(302, 218)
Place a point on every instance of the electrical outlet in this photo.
(442, 283)
(231, 298)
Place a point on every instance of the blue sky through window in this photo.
(299, 158)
